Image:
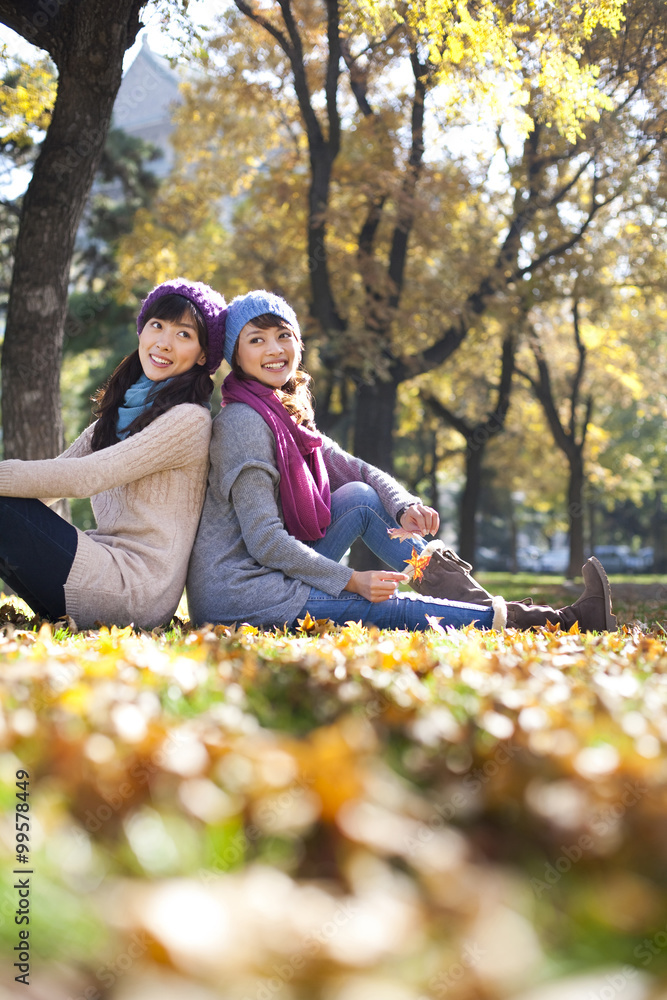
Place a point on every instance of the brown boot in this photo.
(592, 610)
(447, 576)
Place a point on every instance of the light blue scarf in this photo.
(138, 398)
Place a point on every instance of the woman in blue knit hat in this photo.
(143, 462)
(284, 503)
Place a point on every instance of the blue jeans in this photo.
(37, 549)
(357, 512)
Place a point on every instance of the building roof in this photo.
(146, 98)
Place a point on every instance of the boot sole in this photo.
(610, 619)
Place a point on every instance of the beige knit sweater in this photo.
(147, 494)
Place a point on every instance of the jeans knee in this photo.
(356, 493)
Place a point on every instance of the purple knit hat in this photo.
(209, 302)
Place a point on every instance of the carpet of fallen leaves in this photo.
(341, 814)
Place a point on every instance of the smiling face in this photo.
(270, 355)
(169, 347)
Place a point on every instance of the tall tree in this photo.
(434, 39)
(570, 433)
(477, 434)
(86, 40)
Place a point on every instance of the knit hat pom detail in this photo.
(210, 303)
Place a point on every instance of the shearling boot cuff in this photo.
(499, 605)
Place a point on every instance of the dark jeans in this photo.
(37, 549)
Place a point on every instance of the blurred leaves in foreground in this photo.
(337, 814)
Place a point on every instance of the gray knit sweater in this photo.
(245, 566)
(147, 493)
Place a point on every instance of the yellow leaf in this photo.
(434, 622)
(355, 631)
(418, 563)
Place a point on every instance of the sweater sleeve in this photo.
(243, 469)
(167, 443)
(80, 446)
(345, 468)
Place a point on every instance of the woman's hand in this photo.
(420, 520)
(376, 585)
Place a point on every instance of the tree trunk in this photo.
(592, 525)
(658, 525)
(575, 510)
(373, 442)
(434, 497)
(470, 502)
(87, 42)
(374, 425)
(514, 537)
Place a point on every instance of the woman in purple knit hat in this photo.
(143, 462)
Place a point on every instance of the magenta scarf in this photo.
(304, 483)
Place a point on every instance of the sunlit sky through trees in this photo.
(467, 139)
(13, 182)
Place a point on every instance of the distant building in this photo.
(143, 109)
(145, 102)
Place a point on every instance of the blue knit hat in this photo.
(209, 302)
(246, 307)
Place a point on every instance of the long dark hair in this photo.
(295, 395)
(193, 386)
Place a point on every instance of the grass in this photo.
(341, 813)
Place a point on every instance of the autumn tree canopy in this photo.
(412, 177)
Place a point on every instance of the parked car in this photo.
(554, 561)
(491, 560)
(621, 559)
(614, 558)
(641, 561)
(528, 558)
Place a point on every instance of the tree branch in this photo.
(358, 79)
(406, 211)
(333, 73)
(444, 413)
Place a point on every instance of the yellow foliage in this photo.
(628, 379)
(570, 94)
(490, 34)
(27, 96)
